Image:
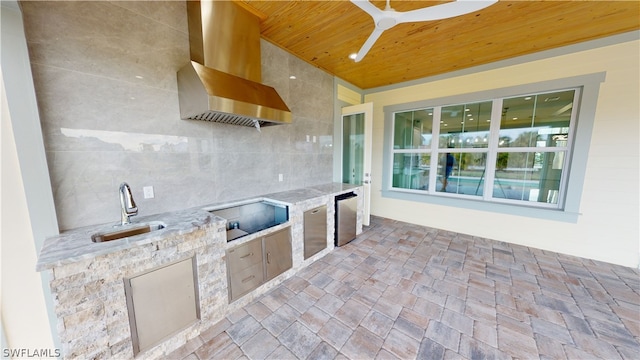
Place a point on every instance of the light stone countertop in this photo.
(76, 245)
(300, 195)
(289, 197)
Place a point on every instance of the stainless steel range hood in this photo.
(222, 81)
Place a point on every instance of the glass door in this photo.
(352, 148)
(357, 123)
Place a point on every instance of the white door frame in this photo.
(367, 110)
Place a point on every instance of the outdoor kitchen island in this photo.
(89, 278)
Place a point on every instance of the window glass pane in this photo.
(352, 148)
(529, 176)
(461, 173)
(465, 126)
(412, 129)
(530, 146)
(411, 171)
(536, 120)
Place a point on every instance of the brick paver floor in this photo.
(403, 291)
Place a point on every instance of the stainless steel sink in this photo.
(127, 231)
(251, 217)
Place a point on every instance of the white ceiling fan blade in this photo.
(368, 44)
(443, 11)
(368, 7)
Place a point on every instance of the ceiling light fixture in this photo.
(292, 77)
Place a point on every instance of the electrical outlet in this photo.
(308, 138)
(280, 177)
(314, 138)
(148, 192)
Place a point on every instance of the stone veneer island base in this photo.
(88, 278)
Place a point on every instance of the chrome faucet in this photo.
(127, 205)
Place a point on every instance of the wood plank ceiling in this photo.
(325, 33)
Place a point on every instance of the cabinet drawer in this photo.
(244, 256)
(246, 280)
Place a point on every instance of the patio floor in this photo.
(403, 291)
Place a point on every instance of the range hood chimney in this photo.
(222, 81)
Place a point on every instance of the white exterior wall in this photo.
(607, 228)
(27, 211)
(24, 313)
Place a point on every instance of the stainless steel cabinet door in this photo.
(277, 248)
(161, 302)
(315, 231)
(346, 219)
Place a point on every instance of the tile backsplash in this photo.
(105, 80)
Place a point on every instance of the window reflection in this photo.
(413, 129)
(535, 120)
(528, 148)
(466, 173)
(465, 126)
(352, 148)
(529, 176)
(129, 141)
(411, 171)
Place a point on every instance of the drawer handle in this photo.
(248, 279)
(268, 259)
(315, 211)
(246, 256)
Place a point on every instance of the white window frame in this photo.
(581, 126)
